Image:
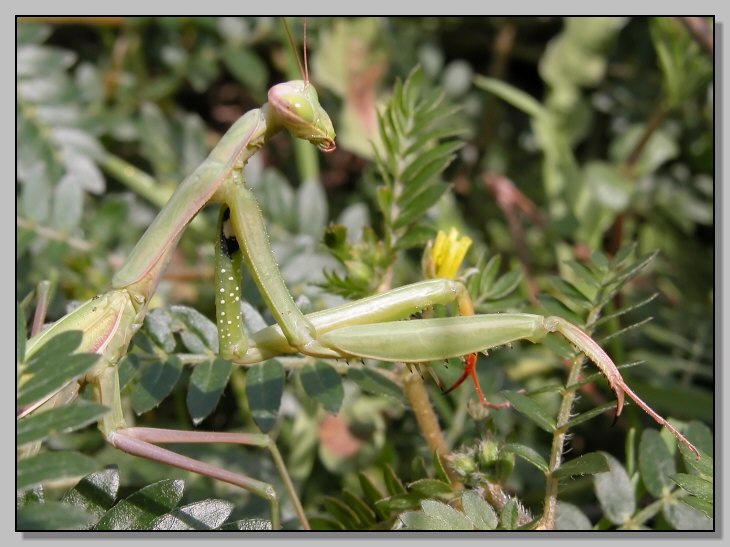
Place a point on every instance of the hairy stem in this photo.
(547, 522)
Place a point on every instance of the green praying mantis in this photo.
(374, 327)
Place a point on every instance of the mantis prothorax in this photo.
(369, 328)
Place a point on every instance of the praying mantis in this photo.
(374, 327)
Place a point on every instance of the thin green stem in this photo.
(54, 235)
(288, 484)
(144, 186)
(652, 509)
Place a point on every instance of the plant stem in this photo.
(547, 522)
(54, 235)
(417, 396)
(144, 186)
(288, 484)
(652, 509)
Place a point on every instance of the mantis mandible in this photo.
(369, 328)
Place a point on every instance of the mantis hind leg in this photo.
(142, 442)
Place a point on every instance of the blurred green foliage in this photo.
(579, 158)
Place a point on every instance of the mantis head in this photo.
(297, 106)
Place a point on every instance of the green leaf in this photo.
(95, 493)
(608, 187)
(342, 512)
(700, 435)
(684, 517)
(52, 466)
(517, 98)
(704, 466)
(528, 454)
(422, 161)
(416, 236)
(430, 488)
(584, 273)
(52, 515)
(450, 516)
(569, 517)
(589, 414)
(695, 485)
(555, 307)
(510, 514)
(207, 383)
(420, 204)
(439, 468)
(278, 200)
(623, 254)
(34, 59)
(198, 333)
(570, 291)
(312, 207)
(246, 67)
(156, 383)
(264, 388)
(656, 463)
(58, 420)
(392, 483)
(68, 202)
(323, 384)
(371, 493)
(32, 34)
(373, 382)
(532, 410)
(53, 366)
(397, 503)
(615, 492)
(158, 325)
(20, 334)
(365, 514)
(705, 507)
(202, 515)
(479, 512)
(128, 369)
(254, 525)
(504, 285)
(587, 464)
(139, 510)
(418, 520)
(155, 135)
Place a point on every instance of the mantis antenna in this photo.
(304, 71)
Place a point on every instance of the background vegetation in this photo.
(576, 153)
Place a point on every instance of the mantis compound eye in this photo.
(299, 107)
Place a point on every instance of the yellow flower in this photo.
(446, 254)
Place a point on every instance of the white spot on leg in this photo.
(223, 290)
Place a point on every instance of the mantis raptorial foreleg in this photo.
(109, 321)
